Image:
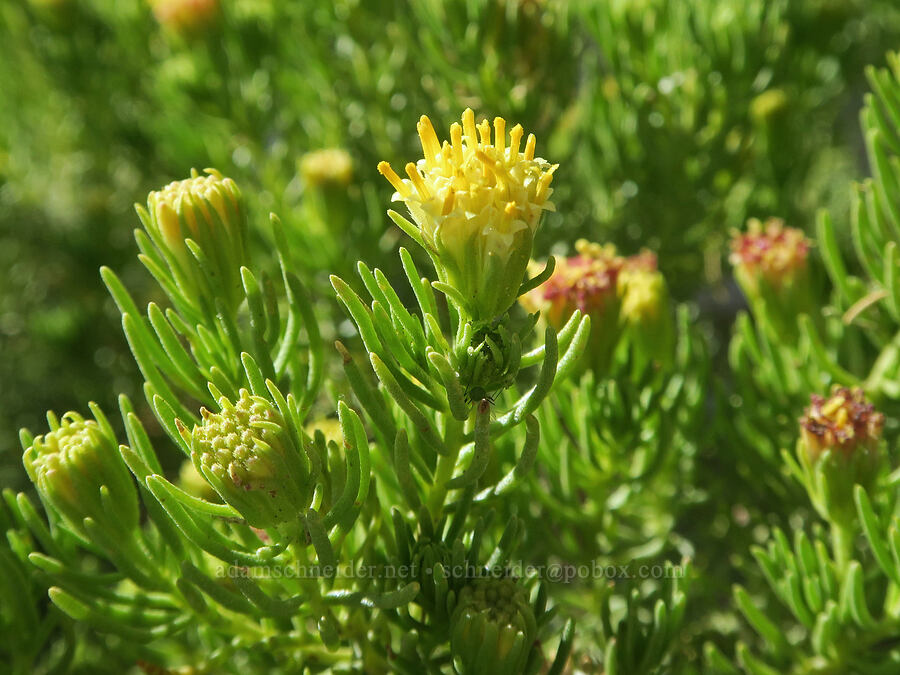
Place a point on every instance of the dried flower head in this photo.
(842, 422)
(477, 203)
(186, 17)
(769, 252)
(588, 282)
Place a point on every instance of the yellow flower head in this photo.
(642, 289)
(843, 422)
(331, 165)
(477, 202)
(250, 457)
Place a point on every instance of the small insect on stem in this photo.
(478, 394)
(484, 405)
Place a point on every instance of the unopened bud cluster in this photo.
(73, 466)
(207, 209)
(493, 627)
(248, 456)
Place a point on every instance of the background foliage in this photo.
(673, 122)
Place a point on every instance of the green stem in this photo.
(842, 536)
(453, 440)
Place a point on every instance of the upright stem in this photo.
(453, 434)
(842, 537)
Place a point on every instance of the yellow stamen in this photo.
(540, 194)
(446, 156)
(456, 144)
(488, 166)
(468, 120)
(448, 203)
(417, 181)
(431, 146)
(500, 133)
(832, 406)
(385, 170)
(484, 130)
(529, 147)
(515, 137)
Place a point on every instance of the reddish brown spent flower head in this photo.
(843, 421)
(186, 17)
(645, 261)
(587, 282)
(770, 251)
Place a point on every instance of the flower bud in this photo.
(71, 464)
(588, 282)
(493, 627)
(490, 362)
(186, 17)
(770, 264)
(329, 166)
(431, 563)
(645, 312)
(769, 105)
(477, 203)
(208, 210)
(248, 455)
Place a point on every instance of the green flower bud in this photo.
(768, 105)
(840, 436)
(249, 456)
(490, 361)
(432, 565)
(477, 204)
(210, 211)
(79, 473)
(493, 628)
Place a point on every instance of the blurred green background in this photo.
(672, 120)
